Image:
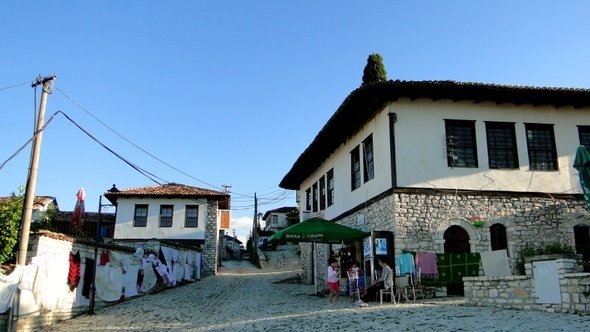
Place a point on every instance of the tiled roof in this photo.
(170, 190)
(364, 102)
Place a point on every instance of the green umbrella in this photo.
(318, 230)
(582, 164)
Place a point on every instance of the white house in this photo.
(175, 212)
(276, 219)
(423, 159)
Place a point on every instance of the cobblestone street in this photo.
(244, 298)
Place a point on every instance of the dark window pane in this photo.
(166, 212)
(461, 145)
(502, 152)
(541, 147)
(584, 134)
(192, 216)
(355, 168)
(140, 215)
(330, 177)
(368, 159)
(322, 193)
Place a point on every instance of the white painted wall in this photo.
(421, 151)
(126, 208)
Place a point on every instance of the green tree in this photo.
(10, 219)
(374, 70)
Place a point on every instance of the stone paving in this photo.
(244, 298)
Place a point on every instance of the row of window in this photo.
(166, 215)
(321, 193)
(501, 141)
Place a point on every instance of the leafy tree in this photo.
(374, 70)
(10, 219)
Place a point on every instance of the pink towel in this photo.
(427, 263)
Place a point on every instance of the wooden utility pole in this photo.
(32, 177)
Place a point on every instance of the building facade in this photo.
(175, 212)
(451, 167)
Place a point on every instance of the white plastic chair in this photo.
(388, 291)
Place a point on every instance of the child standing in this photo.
(333, 283)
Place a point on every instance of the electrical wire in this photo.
(140, 148)
(14, 85)
(142, 171)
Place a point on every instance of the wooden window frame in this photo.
(188, 218)
(541, 147)
(461, 143)
(502, 149)
(165, 220)
(139, 220)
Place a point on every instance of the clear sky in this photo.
(232, 92)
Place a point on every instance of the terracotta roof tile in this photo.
(170, 190)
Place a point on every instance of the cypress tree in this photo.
(374, 70)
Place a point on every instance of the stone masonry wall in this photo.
(418, 220)
(211, 248)
(518, 292)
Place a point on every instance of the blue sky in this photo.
(231, 92)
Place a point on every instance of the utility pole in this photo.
(254, 236)
(33, 165)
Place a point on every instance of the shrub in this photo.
(528, 250)
(10, 220)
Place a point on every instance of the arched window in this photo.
(498, 237)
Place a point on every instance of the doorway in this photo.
(456, 242)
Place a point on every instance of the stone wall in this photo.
(518, 292)
(211, 247)
(418, 218)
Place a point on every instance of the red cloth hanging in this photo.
(74, 272)
(104, 258)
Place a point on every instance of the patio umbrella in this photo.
(78, 213)
(582, 164)
(318, 230)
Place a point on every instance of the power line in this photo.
(140, 148)
(14, 85)
(134, 166)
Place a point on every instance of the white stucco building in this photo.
(421, 159)
(276, 219)
(184, 214)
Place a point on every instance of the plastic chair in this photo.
(388, 291)
(354, 286)
(416, 283)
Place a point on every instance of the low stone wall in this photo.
(518, 292)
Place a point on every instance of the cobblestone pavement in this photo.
(244, 298)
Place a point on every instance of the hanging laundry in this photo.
(405, 263)
(88, 276)
(8, 286)
(104, 258)
(427, 263)
(109, 283)
(74, 271)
